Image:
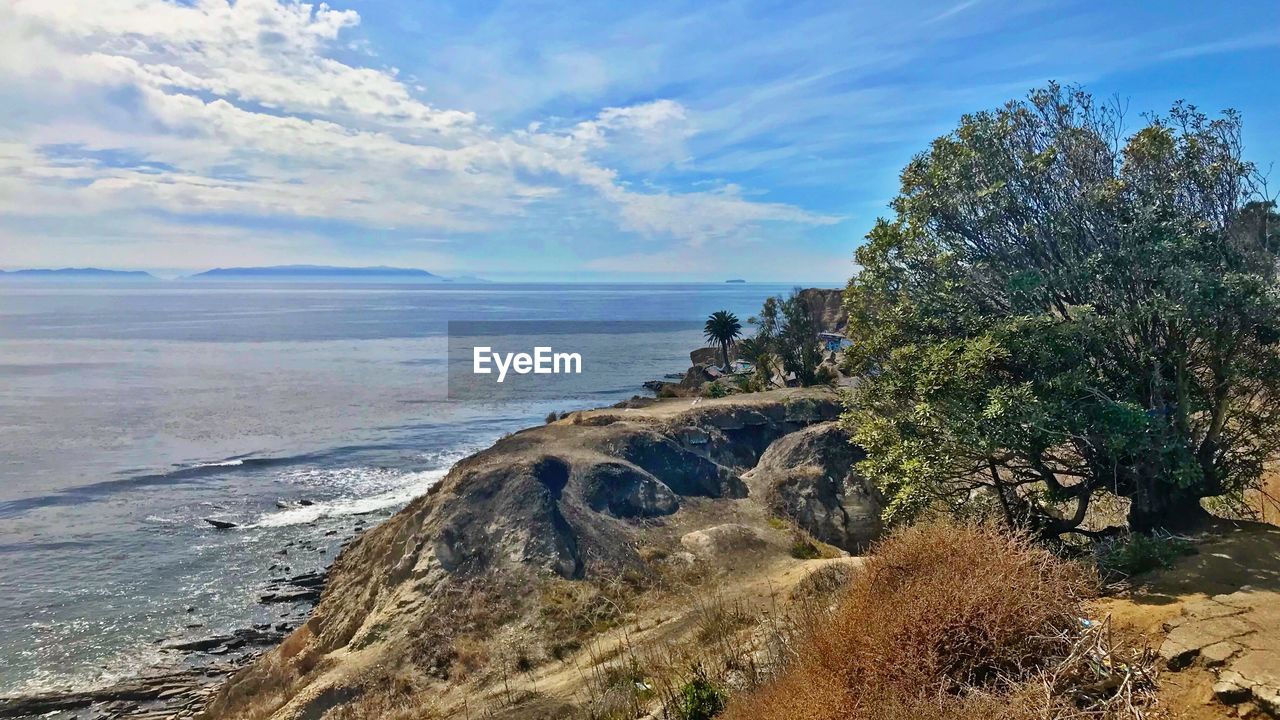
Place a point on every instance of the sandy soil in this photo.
(1224, 600)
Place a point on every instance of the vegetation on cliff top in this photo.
(1058, 312)
(948, 621)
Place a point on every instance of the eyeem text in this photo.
(543, 361)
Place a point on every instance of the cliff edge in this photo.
(522, 541)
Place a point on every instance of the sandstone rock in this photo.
(827, 306)
(624, 490)
(721, 541)
(695, 377)
(711, 355)
(1218, 653)
(1229, 693)
(573, 499)
(1183, 643)
(809, 478)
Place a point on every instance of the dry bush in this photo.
(824, 582)
(257, 692)
(386, 694)
(943, 621)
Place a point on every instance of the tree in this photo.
(797, 343)
(1058, 312)
(723, 328)
(787, 329)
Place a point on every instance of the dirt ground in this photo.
(1215, 617)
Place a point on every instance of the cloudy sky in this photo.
(664, 140)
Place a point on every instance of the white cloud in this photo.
(241, 109)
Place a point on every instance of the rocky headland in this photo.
(493, 567)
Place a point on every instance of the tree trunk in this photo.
(1164, 508)
(724, 355)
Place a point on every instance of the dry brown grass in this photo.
(943, 621)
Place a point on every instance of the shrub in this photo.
(1136, 554)
(804, 549)
(552, 417)
(825, 375)
(823, 582)
(699, 698)
(714, 390)
(943, 621)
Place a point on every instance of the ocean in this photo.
(300, 412)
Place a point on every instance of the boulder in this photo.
(809, 478)
(827, 307)
(722, 541)
(624, 490)
(695, 377)
(711, 355)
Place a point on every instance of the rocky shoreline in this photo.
(201, 664)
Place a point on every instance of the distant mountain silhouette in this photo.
(319, 272)
(75, 274)
(735, 280)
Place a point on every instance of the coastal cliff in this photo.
(600, 497)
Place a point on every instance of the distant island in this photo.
(321, 272)
(86, 273)
(735, 280)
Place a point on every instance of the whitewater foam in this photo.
(409, 486)
(220, 463)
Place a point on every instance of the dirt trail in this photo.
(1216, 617)
(754, 582)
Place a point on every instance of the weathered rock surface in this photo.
(571, 499)
(808, 477)
(722, 540)
(1238, 636)
(828, 307)
(711, 355)
(174, 695)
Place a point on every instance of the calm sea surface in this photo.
(129, 413)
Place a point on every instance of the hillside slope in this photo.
(532, 548)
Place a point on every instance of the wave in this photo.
(106, 488)
(220, 464)
(408, 486)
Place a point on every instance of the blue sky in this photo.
(544, 141)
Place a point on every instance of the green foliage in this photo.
(722, 328)
(824, 375)
(714, 390)
(787, 335)
(1136, 554)
(699, 698)
(752, 349)
(1055, 312)
(766, 363)
(804, 549)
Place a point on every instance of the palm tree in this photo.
(723, 328)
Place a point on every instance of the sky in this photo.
(655, 141)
